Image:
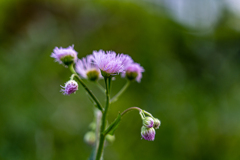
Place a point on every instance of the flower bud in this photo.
(110, 138)
(148, 122)
(70, 87)
(156, 123)
(93, 74)
(148, 133)
(92, 126)
(90, 138)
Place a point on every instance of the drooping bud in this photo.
(156, 123)
(148, 122)
(90, 138)
(148, 133)
(110, 138)
(70, 87)
(65, 56)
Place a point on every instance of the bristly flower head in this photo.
(133, 72)
(70, 87)
(87, 69)
(148, 122)
(148, 133)
(65, 56)
(109, 63)
(126, 60)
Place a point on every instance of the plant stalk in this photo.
(98, 105)
(104, 118)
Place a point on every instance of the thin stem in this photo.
(130, 109)
(98, 116)
(147, 113)
(115, 123)
(98, 105)
(115, 98)
(104, 117)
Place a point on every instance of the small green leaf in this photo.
(111, 129)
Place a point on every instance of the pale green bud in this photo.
(156, 123)
(90, 138)
(110, 138)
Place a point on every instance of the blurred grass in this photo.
(191, 82)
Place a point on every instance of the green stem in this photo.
(112, 127)
(115, 98)
(104, 118)
(98, 105)
(130, 109)
(147, 113)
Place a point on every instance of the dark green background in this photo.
(191, 82)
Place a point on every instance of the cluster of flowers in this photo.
(97, 65)
(104, 64)
(149, 126)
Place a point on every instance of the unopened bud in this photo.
(110, 138)
(156, 123)
(148, 122)
(70, 87)
(92, 126)
(148, 133)
(90, 138)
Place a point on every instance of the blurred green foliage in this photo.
(191, 82)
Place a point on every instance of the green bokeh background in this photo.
(191, 82)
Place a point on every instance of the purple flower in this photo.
(110, 63)
(148, 122)
(65, 56)
(148, 133)
(87, 69)
(126, 60)
(133, 72)
(70, 87)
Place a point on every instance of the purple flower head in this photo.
(109, 63)
(126, 60)
(148, 133)
(70, 87)
(133, 72)
(65, 56)
(87, 69)
(148, 122)
(156, 123)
